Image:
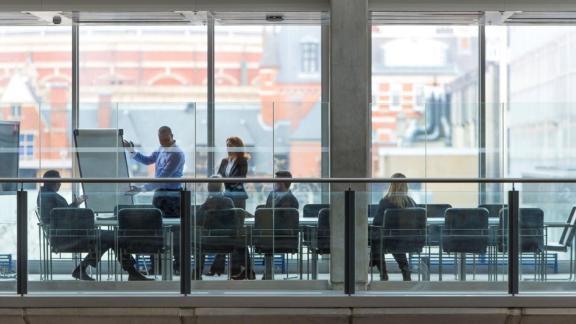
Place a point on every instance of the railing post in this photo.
(513, 240)
(22, 242)
(349, 242)
(185, 258)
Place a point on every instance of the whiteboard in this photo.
(9, 153)
(100, 154)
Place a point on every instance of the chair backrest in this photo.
(323, 231)
(71, 219)
(493, 209)
(404, 230)
(434, 210)
(465, 230)
(531, 223)
(312, 210)
(228, 221)
(222, 230)
(72, 230)
(140, 230)
(120, 207)
(276, 230)
(531, 229)
(567, 237)
(373, 210)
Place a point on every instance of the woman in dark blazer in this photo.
(397, 197)
(235, 166)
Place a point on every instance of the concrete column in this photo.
(349, 128)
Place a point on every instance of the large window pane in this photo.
(425, 105)
(137, 79)
(35, 104)
(530, 71)
(140, 78)
(268, 93)
(426, 123)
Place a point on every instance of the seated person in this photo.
(48, 199)
(218, 201)
(282, 197)
(397, 197)
(215, 201)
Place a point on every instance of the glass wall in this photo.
(285, 241)
(268, 94)
(35, 96)
(425, 123)
(523, 124)
(133, 79)
(529, 73)
(428, 120)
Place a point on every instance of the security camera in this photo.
(56, 20)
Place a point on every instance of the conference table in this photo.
(306, 224)
(310, 224)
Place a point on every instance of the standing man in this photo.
(169, 163)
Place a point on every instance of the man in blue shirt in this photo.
(169, 162)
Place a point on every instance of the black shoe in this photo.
(80, 274)
(135, 275)
(384, 276)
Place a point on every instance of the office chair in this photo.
(275, 232)
(222, 232)
(72, 230)
(465, 231)
(403, 231)
(140, 231)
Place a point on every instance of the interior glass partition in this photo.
(137, 99)
(450, 247)
(104, 241)
(8, 252)
(546, 230)
(282, 244)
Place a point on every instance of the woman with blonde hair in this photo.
(396, 197)
(235, 166)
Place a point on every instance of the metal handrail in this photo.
(293, 180)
